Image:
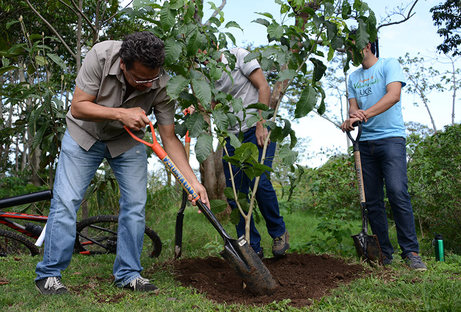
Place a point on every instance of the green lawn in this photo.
(89, 278)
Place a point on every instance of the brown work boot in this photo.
(280, 245)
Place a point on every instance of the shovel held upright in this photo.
(367, 246)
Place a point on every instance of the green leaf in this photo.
(220, 119)
(251, 121)
(202, 91)
(176, 85)
(237, 105)
(265, 14)
(176, 4)
(321, 108)
(332, 29)
(247, 152)
(229, 193)
(319, 69)
(173, 50)
(275, 31)
(233, 24)
(234, 141)
(306, 102)
(362, 37)
(203, 147)
(218, 205)
(41, 61)
(346, 10)
(251, 56)
(235, 216)
(195, 124)
(231, 37)
(259, 106)
(55, 58)
(193, 44)
(262, 21)
(166, 18)
(287, 74)
(287, 155)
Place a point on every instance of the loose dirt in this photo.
(302, 278)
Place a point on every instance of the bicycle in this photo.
(95, 235)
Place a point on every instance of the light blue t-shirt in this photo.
(368, 86)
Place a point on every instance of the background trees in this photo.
(42, 44)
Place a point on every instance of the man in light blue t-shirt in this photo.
(374, 99)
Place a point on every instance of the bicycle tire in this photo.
(98, 235)
(16, 244)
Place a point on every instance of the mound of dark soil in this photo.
(301, 277)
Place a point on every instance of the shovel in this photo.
(367, 246)
(238, 253)
(180, 214)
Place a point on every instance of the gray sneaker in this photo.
(51, 286)
(413, 260)
(142, 284)
(280, 245)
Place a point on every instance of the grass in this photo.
(89, 278)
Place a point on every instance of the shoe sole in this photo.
(50, 294)
(282, 252)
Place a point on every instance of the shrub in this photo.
(434, 174)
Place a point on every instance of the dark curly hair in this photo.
(143, 47)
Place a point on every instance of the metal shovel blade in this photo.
(249, 267)
(367, 247)
(242, 258)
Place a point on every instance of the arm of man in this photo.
(84, 107)
(176, 152)
(391, 97)
(353, 109)
(264, 94)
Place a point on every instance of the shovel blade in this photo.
(367, 247)
(249, 267)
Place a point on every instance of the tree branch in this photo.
(113, 15)
(218, 9)
(84, 16)
(409, 15)
(52, 29)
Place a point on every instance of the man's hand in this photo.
(261, 133)
(134, 118)
(348, 124)
(201, 191)
(360, 114)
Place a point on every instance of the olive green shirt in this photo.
(101, 76)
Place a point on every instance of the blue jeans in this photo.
(384, 163)
(265, 196)
(75, 170)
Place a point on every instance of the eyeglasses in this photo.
(140, 82)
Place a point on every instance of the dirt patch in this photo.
(302, 278)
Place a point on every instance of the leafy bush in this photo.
(17, 185)
(434, 173)
(333, 189)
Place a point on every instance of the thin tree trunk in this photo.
(212, 175)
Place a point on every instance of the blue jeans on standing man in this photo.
(76, 168)
(384, 163)
(265, 195)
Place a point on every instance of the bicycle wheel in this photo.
(15, 244)
(98, 235)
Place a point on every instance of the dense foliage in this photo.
(434, 174)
